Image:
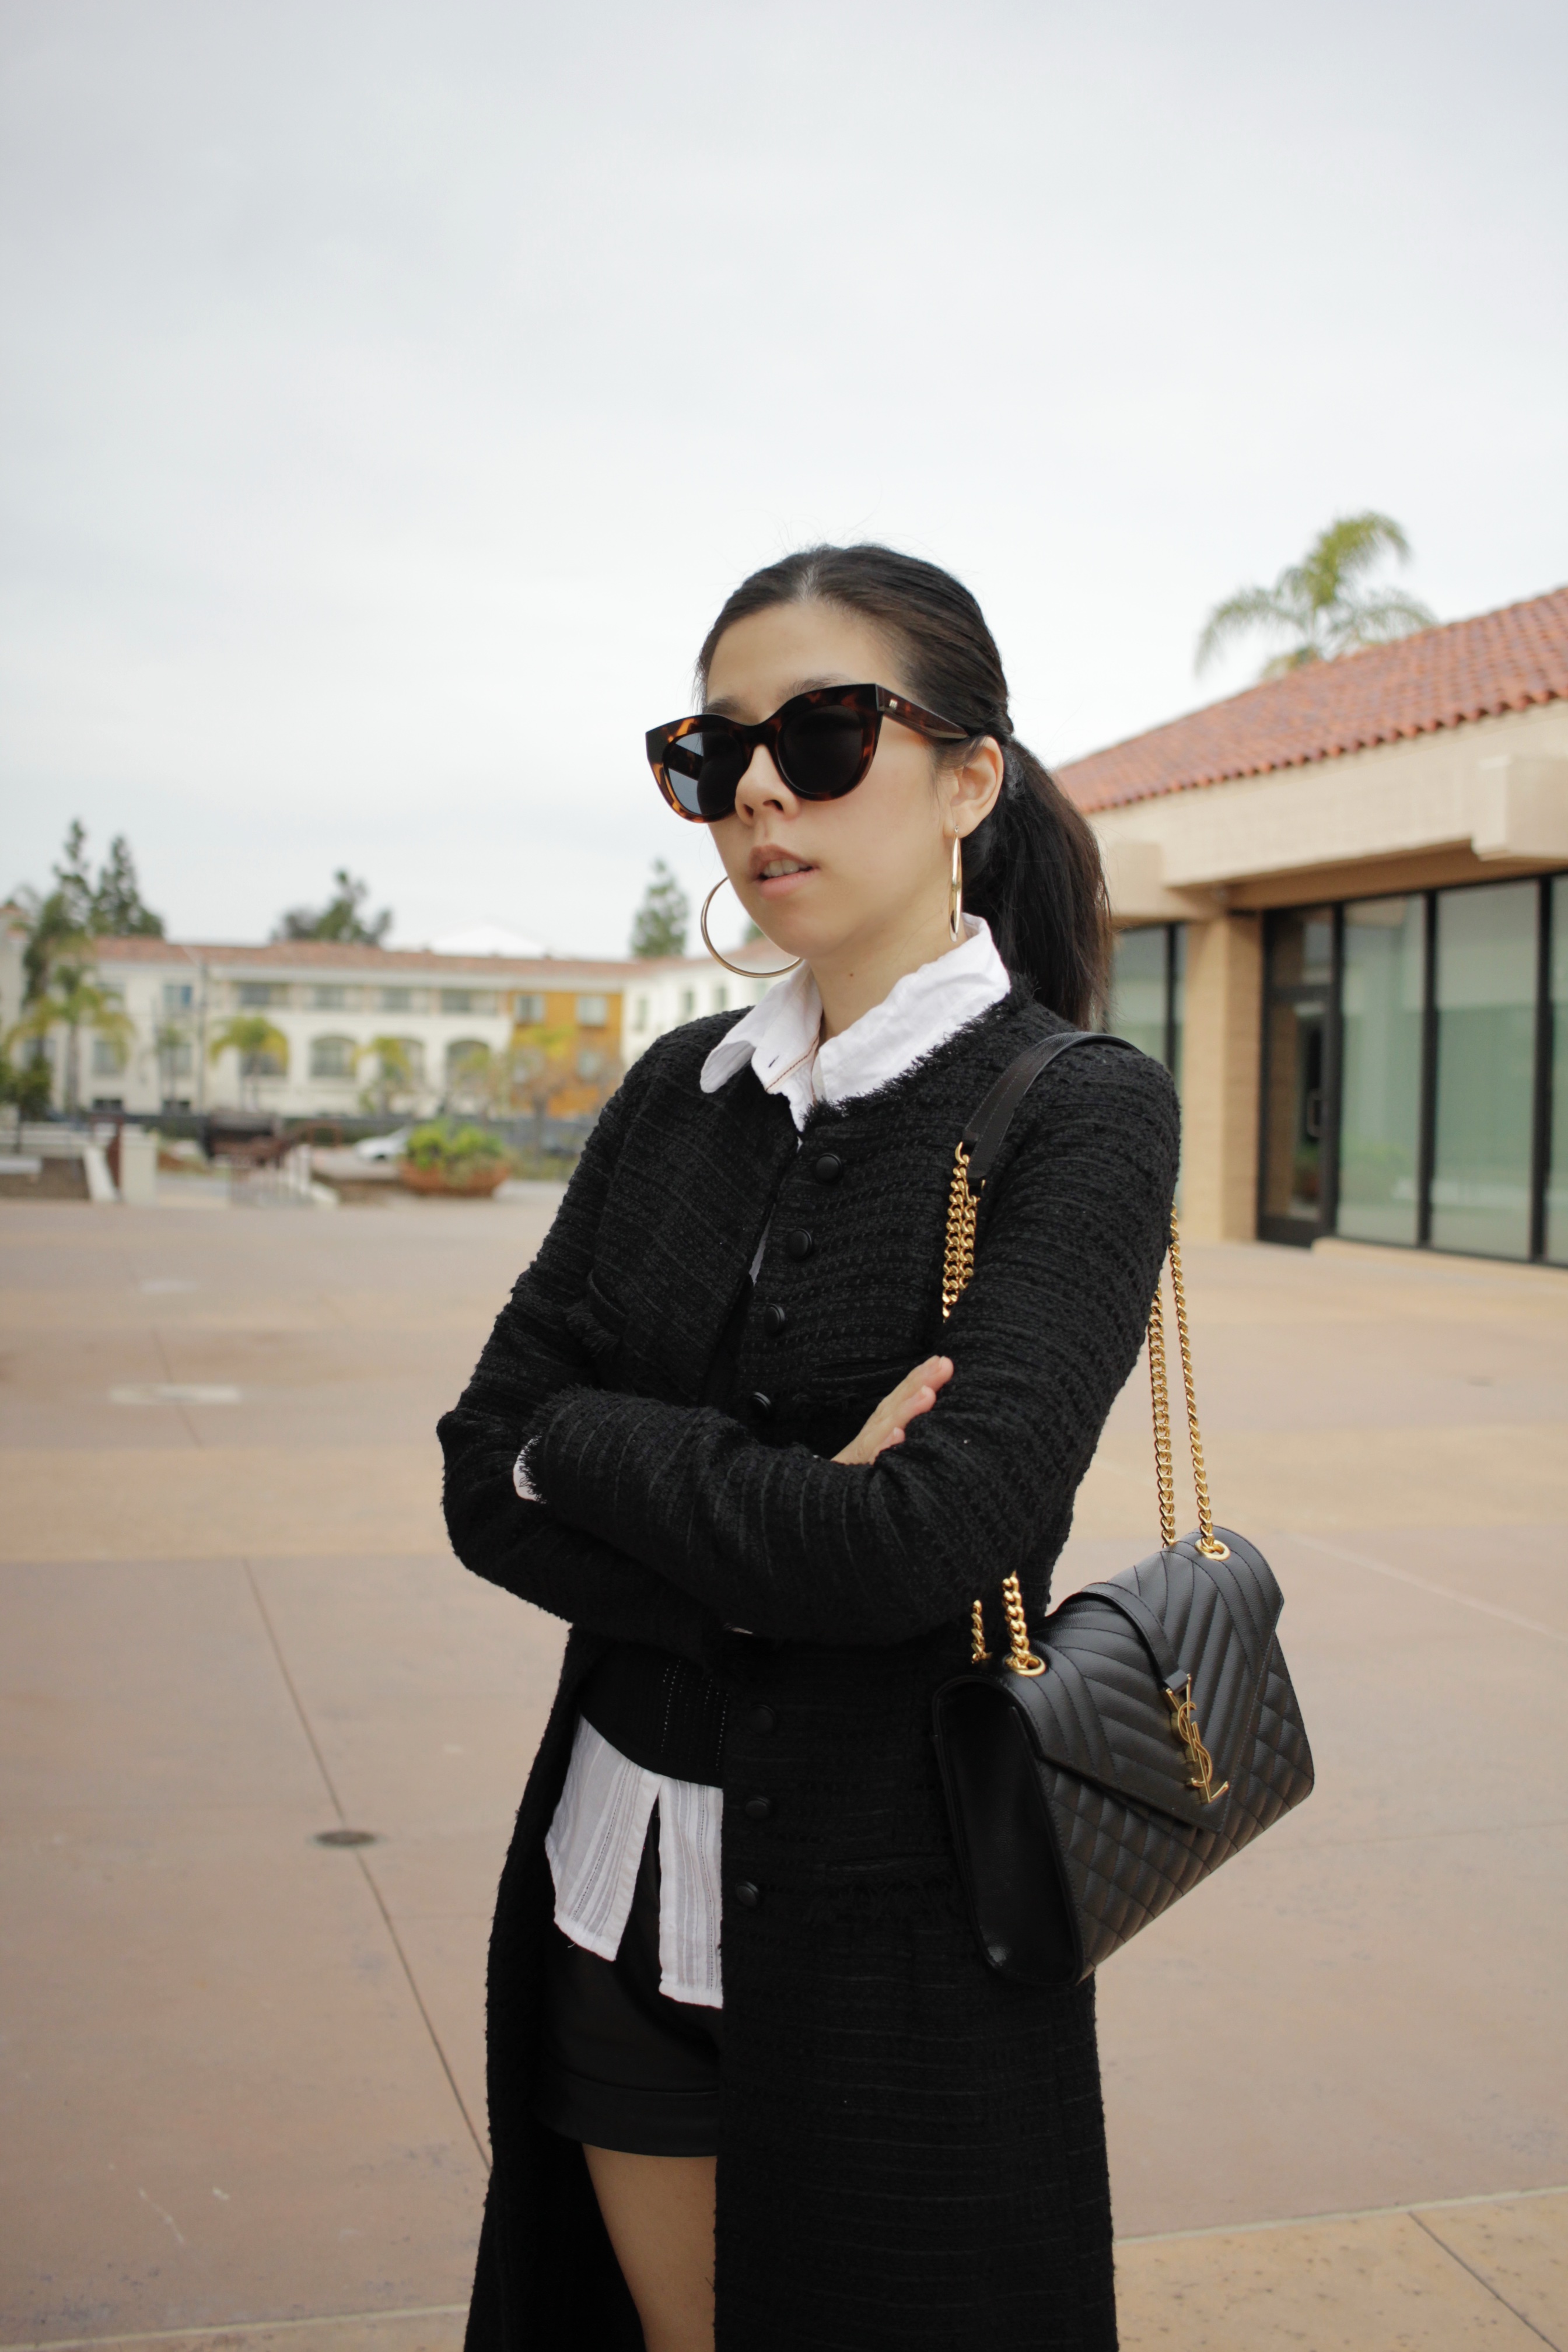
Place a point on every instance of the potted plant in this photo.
(444, 1157)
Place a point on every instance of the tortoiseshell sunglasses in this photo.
(822, 743)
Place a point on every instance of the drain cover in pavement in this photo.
(345, 1837)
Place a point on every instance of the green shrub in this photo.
(25, 1084)
(444, 1143)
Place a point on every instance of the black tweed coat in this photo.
(911, 2152)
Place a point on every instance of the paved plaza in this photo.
(241, 2068)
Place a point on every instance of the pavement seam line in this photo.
(370, 1882)
(1443, 1591)
(293, 1694)
(233, 2327)
(1350, 2213)
(181, 1408)
(1483, 2282)
(419, 2005)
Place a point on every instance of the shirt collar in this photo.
(778, 1037)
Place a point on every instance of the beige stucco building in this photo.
(332, 1005)
(1342, 901)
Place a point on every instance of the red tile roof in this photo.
(336, 955)
(1439, 678)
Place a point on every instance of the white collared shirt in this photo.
(595, 1840)
(779, 1036)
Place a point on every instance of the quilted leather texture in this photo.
(1131, 1834)
(1099, 1710)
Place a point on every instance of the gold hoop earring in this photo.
(744, 970)
(956, 893)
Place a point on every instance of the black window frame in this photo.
(1302, 1231)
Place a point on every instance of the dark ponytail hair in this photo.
(1032, 868)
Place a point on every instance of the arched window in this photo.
(333, 1057)
(466, 1058)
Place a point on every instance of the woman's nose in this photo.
(762, 787)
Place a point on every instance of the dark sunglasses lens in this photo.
(704, 769)
(822, 751)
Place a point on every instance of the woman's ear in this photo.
(973, 787)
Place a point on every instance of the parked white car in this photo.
(384, 1146)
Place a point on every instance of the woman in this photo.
(751, 2081)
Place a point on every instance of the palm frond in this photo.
(1316, 599)
(1379, 620)
(250, 1035)
(1350, 547)
(1249, 608)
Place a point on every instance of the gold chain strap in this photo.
(1164, 1477)
(1208, 1543)
(958, 1258)
(957, 1268)
(957, 1265)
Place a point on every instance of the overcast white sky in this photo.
(394, 392)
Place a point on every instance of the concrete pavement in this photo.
(241, 2075)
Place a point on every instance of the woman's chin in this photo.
(793, 932)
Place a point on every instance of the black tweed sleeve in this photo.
(528, 1549)
(1072, 1235)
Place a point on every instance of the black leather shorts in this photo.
(620, 2064)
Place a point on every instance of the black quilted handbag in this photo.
(1149, 1730)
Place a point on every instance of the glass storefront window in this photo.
(1297, 999)
(1293, 1138)
(1138, 989)
(1302, 949)
(1382, 986)
(1557, 1014)
(1148, 987)
(1486, 1051)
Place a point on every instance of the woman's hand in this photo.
(916, 1393)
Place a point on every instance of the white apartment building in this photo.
(661, 995)
(332, 1007)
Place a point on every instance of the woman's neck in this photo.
(858, 976)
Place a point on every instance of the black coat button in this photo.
(759, 1809)
(773, 1320)
(761, 1405)
(747, 1894)
(799, 1244)
(761, 1718)
(828, 1169)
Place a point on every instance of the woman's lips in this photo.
(779, 886)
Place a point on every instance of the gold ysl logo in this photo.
(1184, 1723)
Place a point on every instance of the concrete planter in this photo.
(474, 1181)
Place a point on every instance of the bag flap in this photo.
(1100, 1709)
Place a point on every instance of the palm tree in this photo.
(170, 1039)
(392, 1060)
(1318, 599)
(71, 999)
(473, 1077)
(263, 1050)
